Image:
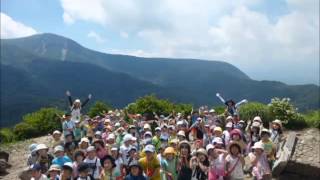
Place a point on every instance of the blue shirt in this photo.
(61, 160)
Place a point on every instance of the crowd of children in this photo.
(197, 146)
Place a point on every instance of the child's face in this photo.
(258, 151)
(36, 173)
(265, 137)
(42, 152)
(236, 137)
(170, 156)
(56, 137)
(217, 133)
(114, 153)
(79, 158)
(234, 150)
(91, 154)
(107, 164)
(202, 157)
(69, 138)
(275, 126)
(149, 155)
(66, 173)
(134, 171)
(53, 173)
(59, 154)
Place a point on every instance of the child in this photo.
(232, 107)
(56, 139)
(135, 172)
(66, 173)
(69, 145)
(83, 170)
(94, 162)
(261, 169)
(32, 157)
(76, 106)
(268, 146)
(150, 163)
(276, 131)
(169, 164)
(235, 161)
(43, 157)
(237, 137)
(100, 148)
(36, 173)
(184, 170)
(78, 159)
(77, 132)
(200, 165)
(217, 162)
(109, 170)
(54, 172)
(84, 144)
(60, 158)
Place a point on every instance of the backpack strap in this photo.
(232, 169)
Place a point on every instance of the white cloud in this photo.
(124, 35)
(216, 29)
(13, 29)
(96, 37)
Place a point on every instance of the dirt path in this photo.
(18, 156)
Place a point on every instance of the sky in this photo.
(267, 39)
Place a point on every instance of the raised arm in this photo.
(69, 97)
(241, 102)
(86, 101)
(221, 98)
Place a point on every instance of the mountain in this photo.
(36, 71)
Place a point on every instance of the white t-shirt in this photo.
(237, 173)
(43, 177)
(226, 137)
(124, 152)
(94, 165)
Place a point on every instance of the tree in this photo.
(98, 108)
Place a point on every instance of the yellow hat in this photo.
(169, 150)
(217, 129)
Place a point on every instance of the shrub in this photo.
(98, 108)
(38, 123)
(220, 109)
(250, 110)
(6, 135)
(147, 105)
(313, 118)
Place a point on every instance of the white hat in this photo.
(181, 133)
(158, 129)
(256, 124)
(229, 125)
(147, 133)
(277, 121)
(56, 132)
(149, 148)
(68, 164)
(111, 136)
(77, 101)
(114, 149)
(117, 124)
(199, 119)
(172, 127)
(58, 149)
(133, 138)
(127, 137)
(229, 118)
(33, 148)
(84, 139)
(257, 118)
(209, 146)
(179, 123)
(107, 121)
(91, 148)
(98, 133)
(217, 140)
(146, 126)
(258, 145)
(212, 111)
(41, 146)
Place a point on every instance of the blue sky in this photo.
(267, 39)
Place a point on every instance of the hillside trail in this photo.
(18, 156)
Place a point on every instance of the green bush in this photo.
(313, 119)
(149, 104)
(98, 108)
(220, 109)
(282, 109)
(250, 110)
(7, 135)
(297, 122)
(38, 123)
